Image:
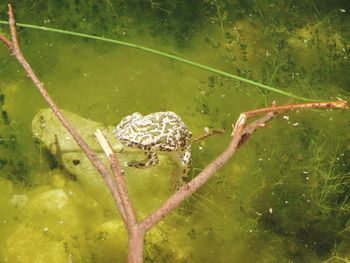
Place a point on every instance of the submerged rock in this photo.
(53, 136)
(47, 128)
(19, 201)
(52, 201)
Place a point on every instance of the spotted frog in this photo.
(154, 133)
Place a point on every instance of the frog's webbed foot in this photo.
(152, 159)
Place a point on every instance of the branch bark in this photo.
(121, 185)
(136, 234)
(208, 134)
(192, 186)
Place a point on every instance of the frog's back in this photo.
(164, 131)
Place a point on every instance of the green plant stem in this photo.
(154, 51)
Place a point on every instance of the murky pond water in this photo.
(284, 197)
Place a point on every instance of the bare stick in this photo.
(7, 42)
(192, 186)
(135, 233)
(121, 185)
(312, 105)
(240, 134)
(13, 29)
(15, 49)
(250, 129)
(208, 134)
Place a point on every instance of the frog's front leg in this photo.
(152, 159)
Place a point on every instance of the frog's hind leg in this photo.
(152, 159)
(185, 161)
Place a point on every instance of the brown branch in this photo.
(12, 23)
(251, 128)
(135, 233)
(192, 186)
(208, 134)
(239, 135)
(7, 42)
(14, 46)
(129, 211)
(120, 182)
(312, 105)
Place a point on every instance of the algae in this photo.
(283, 198)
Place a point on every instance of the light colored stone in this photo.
(19, 201)
(47, 128)
(154, 182)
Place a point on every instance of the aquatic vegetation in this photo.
(307, 57)
(242, 213)
(173, 57)
(13, 163)
(309, 202)
(172, 19)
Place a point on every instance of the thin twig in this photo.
(121, 185)
(7, 42)
(251, 128)
(13, 29)
(208, 134)
(312, 105)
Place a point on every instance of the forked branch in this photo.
(240, 134)
(120, 182)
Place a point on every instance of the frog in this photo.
(159, 132)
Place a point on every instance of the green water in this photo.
(284, 197)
